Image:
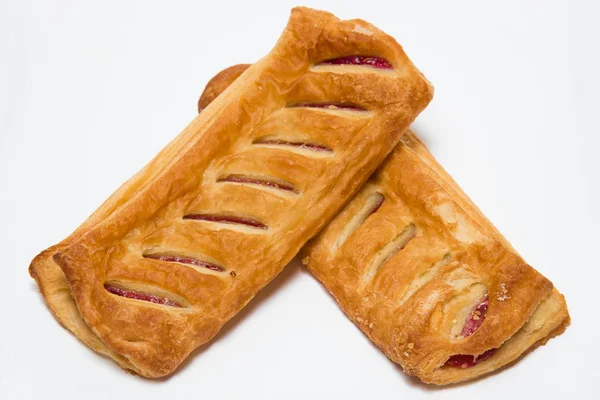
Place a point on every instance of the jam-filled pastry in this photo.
(428, 278)
(50, 278)
(187, 242)
(432, 262)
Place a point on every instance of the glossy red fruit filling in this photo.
(466, 361)
(184, 260)
(476, 318)
(226, 219)
(331, 106)
(302, 145)
(143, 296)
(375, 62)
(259, 181)
(473, 323)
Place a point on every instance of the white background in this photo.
(90, 91)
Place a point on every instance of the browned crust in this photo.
(219, 83)
(51, 280)
(226, 77)
(172, 179)
(413, 334)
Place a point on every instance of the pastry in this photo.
(428, 278)
(187, 242)
(417, 266)
(50, 278)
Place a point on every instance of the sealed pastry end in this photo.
(154, 310)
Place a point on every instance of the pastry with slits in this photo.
(425, 275)
(187, 242)
(415, 264)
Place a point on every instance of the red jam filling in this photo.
(184, 260)
(134, 294)
(303, 145)
(476, 318)
(226, 219)
(473, 323)
(258, 181)
(331, 106)
(466, 361)
(375, 62)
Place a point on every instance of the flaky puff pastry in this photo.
(187, 242)
(417, 266)
(428, 278)
(50, 278)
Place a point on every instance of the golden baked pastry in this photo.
(428, 278)
(187, 242)
(50, 278)
(219, 83)
(432, 262)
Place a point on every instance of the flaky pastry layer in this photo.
(428, 278)
(188, 241)
(452, 231)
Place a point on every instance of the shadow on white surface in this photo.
(278, 283)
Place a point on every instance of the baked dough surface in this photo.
(223, 196)
(445, 267)
(410, 272)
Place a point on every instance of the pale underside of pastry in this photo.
(417, 266)
(187, 242)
